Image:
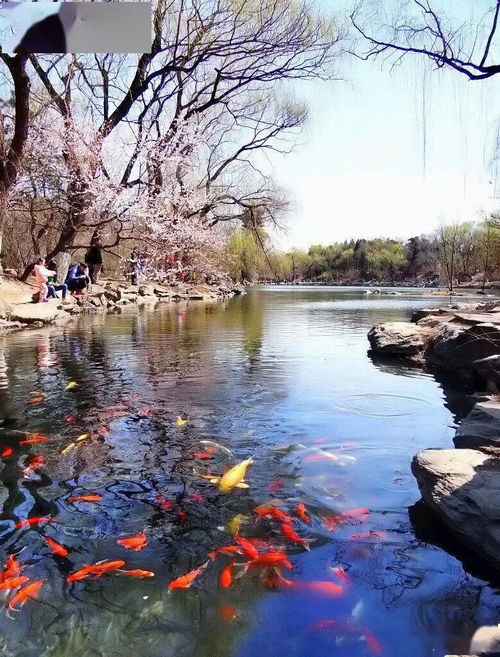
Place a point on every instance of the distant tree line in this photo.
(459, 253)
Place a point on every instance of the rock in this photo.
(238, 289)
(489, 369)
(398, 339)
(481, 427)
(457, 346)
(29, 313)
(5, 309)
(462, 487)
(486, 641)
(10, 273)
(113, 295)
(145, 291)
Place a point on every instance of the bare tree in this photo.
(423, 30)
(447, 237)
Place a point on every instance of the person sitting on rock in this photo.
(78, 278)
(42, 276)
(52, 286)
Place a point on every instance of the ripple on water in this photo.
(375, 404)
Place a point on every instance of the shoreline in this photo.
(18, 312)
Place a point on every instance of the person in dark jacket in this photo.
(78, 278)
(93, 259)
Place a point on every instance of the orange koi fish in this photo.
(138, 573)
(370, 534)
(11, 568)
(185, 581)
(163, 502)
(321, 457)
(103, 567)
(301, 513)
(228, 550)
(342, 627)
(325, 588)
(6, 452)
(331, 522)
(28, 522)
(13, 582)
(273, 512)
(56, 547)
(354, 513)
(82, 573)
(288, 531)
(30, 591)
(35, 438)
(135, 543)
(85, 498)
(276, 579)
(273, 558)
(226, 576)
(201, 455)
(36, 400)
(247, 548)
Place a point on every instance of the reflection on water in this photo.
(281, 375)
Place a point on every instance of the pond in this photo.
(281, 375)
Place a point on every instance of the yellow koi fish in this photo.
(71, 385)
(180, 422)
(234, 477)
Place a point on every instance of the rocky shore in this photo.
(19, 310)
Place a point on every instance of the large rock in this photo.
(30, 313)
(489, 369)
(398, 339)
(462, 486)
(457, 345)
(481, 427)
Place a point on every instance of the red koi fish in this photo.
(138, 573)
(70, 418)
(287, 531)
(228, 550)
(274, 486)
(354, 513)
(341, 574)
(6, 452)
(227, 613)
(30, 591)
(195, 497)
(185, 581)
(85, 498)
(28, 522)
(302, 514)
(56, 547)
(273, 512)
(135, 543)
(182, 516)
(11, 568)
(34, 461)
(35, 438)
(13, 582)
(247, 548)
(363, 535)
(331, 522)
(273, 558)
(201, 455)
(325, 588)
(163, 502)
(341, 627)
(226, 576)
(36, 400)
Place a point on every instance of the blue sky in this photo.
(361, 170)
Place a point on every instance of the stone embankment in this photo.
(19, 311)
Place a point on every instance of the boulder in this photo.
(238, 289)
(113, 295)
(30, 313)
(489, 369)
(10, 273)
(398, 339)
(481, 427)
(145, 291)
(462, 486)
(458, 346)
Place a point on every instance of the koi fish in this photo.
(13, 582)
(70, 418)
(342, 627)
(274, 486)
(233, 525)
(28, 522)
(273, 512)
(185, 581)
(6, 452)
(288, 531)
(135, 543)
(34, 461)
(180, 422)
(370, 534)
(325, 588)
(301, 513)
(227, 613)
(234, 477)
(103, 567)
(104, 431)
(341, 574)
(35, 438)
(138, 573)
(85, 498)
(71, 385)
(246, 547)
(30, 591)
(354, 513)
(82, 573)
(324, 456)
(272, 558)
(182, 516)
(11, 568)
(226, 576)
(331, 522)
(228, 550)
(68, 448)
(276, 579)
(201, 455)
(83, 436)
(320, 441)
(36, 400)
(163, 502)
(210, 445)
(56, 547)
(195, 497)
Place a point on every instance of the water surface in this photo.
(283, 375)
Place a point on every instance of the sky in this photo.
(361, 169)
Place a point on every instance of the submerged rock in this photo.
(398, 339)
(462, 486)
